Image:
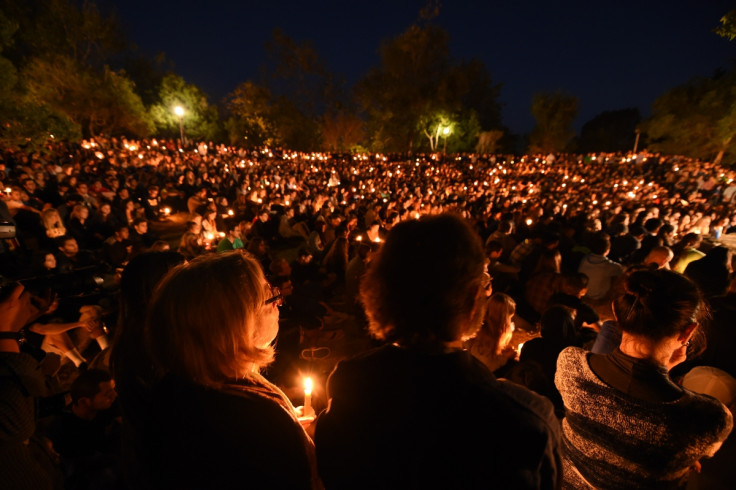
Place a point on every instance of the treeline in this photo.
(67, 70)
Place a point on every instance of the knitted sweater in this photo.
(612, 440)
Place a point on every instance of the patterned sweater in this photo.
(612, 440)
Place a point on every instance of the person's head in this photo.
(122, 233)
(49, 261)
(637, 231)
(506, 227)
(425, 283)
(494, 249)
(558, 324)
(193, 227)
(80, 212)
(718, 256)
(652, 225)
(93, 390)
(692, 240)
(655, 304)
(600, 243)
(68, 245)
(500, 310)
(575, 284)
(257, 246)
(659, 257)
(160, 246)
(211, 320)
(29, 185)
(140, 225)
(280, 267)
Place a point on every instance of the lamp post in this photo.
(179, 111)
(445, 133)
(636, 143)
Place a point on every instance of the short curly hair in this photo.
(426, 282)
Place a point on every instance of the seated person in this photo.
(419, 411)
(573, 288)
(87, 435)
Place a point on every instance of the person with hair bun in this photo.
(216, 421)
(627, 424)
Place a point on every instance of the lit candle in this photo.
(308, 411)
(518, 350)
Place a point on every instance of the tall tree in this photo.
(303, 91)
(250, 123)
(555, 113)
(727, 27)
(610, 131)
(696, 119)
(200, 119)
(100, 104)
(418, 85)
(62, 50)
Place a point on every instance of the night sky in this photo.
(611, 55)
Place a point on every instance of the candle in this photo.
(518, 350)
(308, 411)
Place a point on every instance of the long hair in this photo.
(203, 322)
(500, 312)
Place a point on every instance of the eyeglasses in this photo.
(277, 297)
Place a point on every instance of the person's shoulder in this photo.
(572, 358)
(528, 406)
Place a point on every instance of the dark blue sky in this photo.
(611, 55)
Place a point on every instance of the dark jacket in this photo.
(240, 436)
(404, 418)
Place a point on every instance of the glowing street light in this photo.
(445, 134)
(179, 111)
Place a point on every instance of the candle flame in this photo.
(308, 385)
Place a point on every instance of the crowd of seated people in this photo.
(560, 238)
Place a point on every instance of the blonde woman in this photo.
(491, 344)
(217, 422)
(53, 223)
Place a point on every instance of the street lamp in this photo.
(636, 143)
(445, 133)
(179, 111)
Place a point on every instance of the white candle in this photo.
(308, 411)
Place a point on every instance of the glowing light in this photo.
(308, 385)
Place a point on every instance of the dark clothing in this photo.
(23, 464)
(405, 418)
(583, 312)
(622, 247)
(239, 436)
(711, 277)
(721, 335)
